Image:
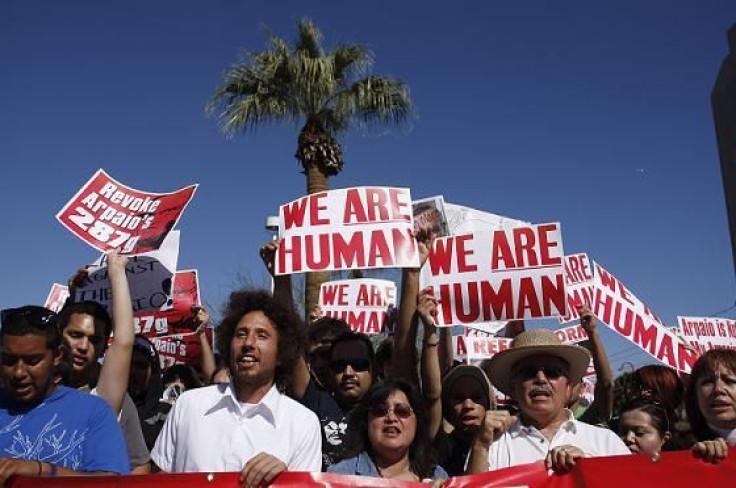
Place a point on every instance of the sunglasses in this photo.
(401, 410)
(551, 371)
(357, 364)
(36, 316)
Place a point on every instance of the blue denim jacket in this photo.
(363, 465)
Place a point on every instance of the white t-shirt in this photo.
(208, 429)
(522, 445)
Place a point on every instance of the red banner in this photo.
(108, 215)
(670, 470)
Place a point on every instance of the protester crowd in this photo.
(284, 395)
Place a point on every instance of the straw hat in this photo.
(534, 342)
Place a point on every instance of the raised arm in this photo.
(430, 361)
(404, 355)
(113, 380)
(603, 402)
(282, 292)
(201, 321)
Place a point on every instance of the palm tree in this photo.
(327, 92)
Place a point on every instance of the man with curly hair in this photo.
(248, 425)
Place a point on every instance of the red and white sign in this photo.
(108, 215)
(365, 227)
(579, 283)
(497, 275)
(57, 297)
(365, 304)
(621, 311)
(172, 330)
(150, 277)
(706, 333)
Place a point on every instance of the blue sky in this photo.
(594, 115)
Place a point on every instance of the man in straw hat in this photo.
(539, 372)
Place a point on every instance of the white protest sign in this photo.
(365, 304)
(465, 220)
(708, 333)
(624, 313)
(365, 227)
(150, 278)
(497, 275)
(57, 297)
(579, 285)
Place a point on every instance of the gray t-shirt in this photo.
(130, 425)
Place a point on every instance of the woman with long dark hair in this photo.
(388, 437)
(645, 426)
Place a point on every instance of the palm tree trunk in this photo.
(316, 182)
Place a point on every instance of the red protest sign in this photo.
(108, 215)
(496, 275)
(172, 330)
(365, 304)
(365, 227)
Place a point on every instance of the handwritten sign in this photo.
(150, 278)
(108, 215)
(365, 227)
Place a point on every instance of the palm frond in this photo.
(309, 39)
(351, 60)
(375, 100)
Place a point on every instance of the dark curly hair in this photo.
(706, 364)
(421, 455)
(284, 318)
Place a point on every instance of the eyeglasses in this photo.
(357, 364)
(551, 371)
(34, 315)
(401, 410)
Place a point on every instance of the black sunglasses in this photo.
(401, 410)
(357, 364)
(551, 371)
(34, 315)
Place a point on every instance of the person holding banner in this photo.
(249, 425)
(389, 436)
(49, 429)
(538, 371)
(710, 402)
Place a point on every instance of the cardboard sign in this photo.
(57, 297)
(366, 227)
(150, 278)
(579, 285)
(108, 215)
(429, 213)
(706, 333)
(621, 311)
(365, 304)
(497, 275)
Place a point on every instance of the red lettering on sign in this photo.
(545, 245)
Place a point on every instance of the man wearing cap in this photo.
(539, 372)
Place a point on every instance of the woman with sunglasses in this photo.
(388, 436)
(710, 402)
(644, 426)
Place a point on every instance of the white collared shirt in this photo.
(208, 429)
(522, 445)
